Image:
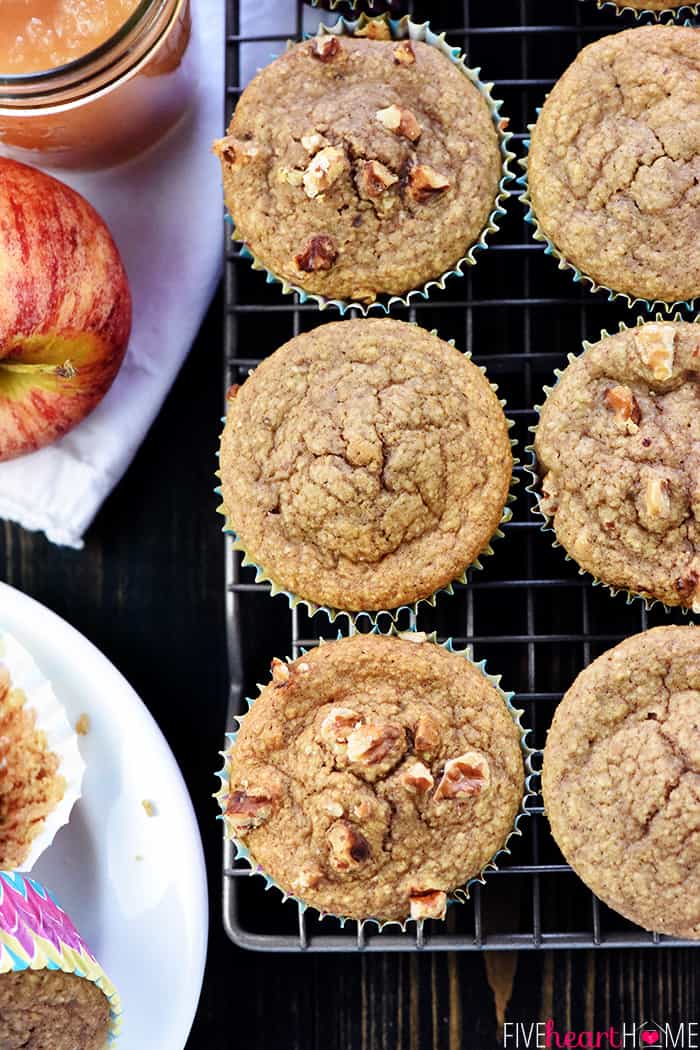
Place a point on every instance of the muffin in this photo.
(618, 457)
(358, 166)
(53, 993)
(614, 161)
(375, 775)
(40, 765)
(621, 779)
(365, 464)
(51, 1010)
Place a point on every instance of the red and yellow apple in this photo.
(65, 309)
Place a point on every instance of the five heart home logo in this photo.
(651, 1035)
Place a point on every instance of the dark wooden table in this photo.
(149, 586)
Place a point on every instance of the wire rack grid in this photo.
(529, 613)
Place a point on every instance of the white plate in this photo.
(134, 885)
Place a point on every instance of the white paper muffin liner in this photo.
(458, 896)
(51, 719)
(577, 275)
(354, 615)
(532, 468)
(405, 28)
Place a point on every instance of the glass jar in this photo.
(111, 103)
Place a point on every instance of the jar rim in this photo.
(75, 70)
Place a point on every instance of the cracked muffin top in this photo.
(614, 165)
(52, 1010)
(365, 464)
(375, 775)
(355, 166)
(618, 451)
(621, 779)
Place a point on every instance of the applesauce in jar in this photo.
(90, 83)
(41, 34)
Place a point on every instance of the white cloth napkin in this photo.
(165, 212)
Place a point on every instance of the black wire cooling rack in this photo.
(528, 613)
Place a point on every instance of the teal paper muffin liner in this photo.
(354, 615)
(669, 14)
(401, 29)
(533, 489)
(36, 934)
(578, 276)
(462, 894)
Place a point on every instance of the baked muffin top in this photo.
(621, 779)
(365, 464)
(614, 164)
(31, 785)
(52, 1010)
(375, 775)
(652, 5)
(355, 166)
(618, 450)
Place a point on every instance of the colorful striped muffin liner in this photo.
(36, 934)
(462, 894)
(563, 263)
(533, 488)
(669, 14)
(52, 721)
(405, 28)
(263, 576)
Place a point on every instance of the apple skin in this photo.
(65, 309)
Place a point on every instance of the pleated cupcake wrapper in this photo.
(402, 29)
(462, 894)
(533, 488)
(672, 14)
(262, 576)
(51, 719)
(36, 934)
(563, 263)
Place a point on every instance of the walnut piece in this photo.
(233, 151)
(548, 499)
(319, 253)
(426, 736)
(657, 499)
(372, 743)
(247, 810)
(348, 848)
(337, 726)
(325, 48)
(404, 53)
(656, 343)
(377, 29)
(464, 776)
(292, 176)
(363, 809)
(374, 178)
(400, 122)
(688, 588)
(314, 141)
(307, 879)
(621, 401)
(424, 182)
(417, 778)
(327, 166)
(428, 904)
(280, 672)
